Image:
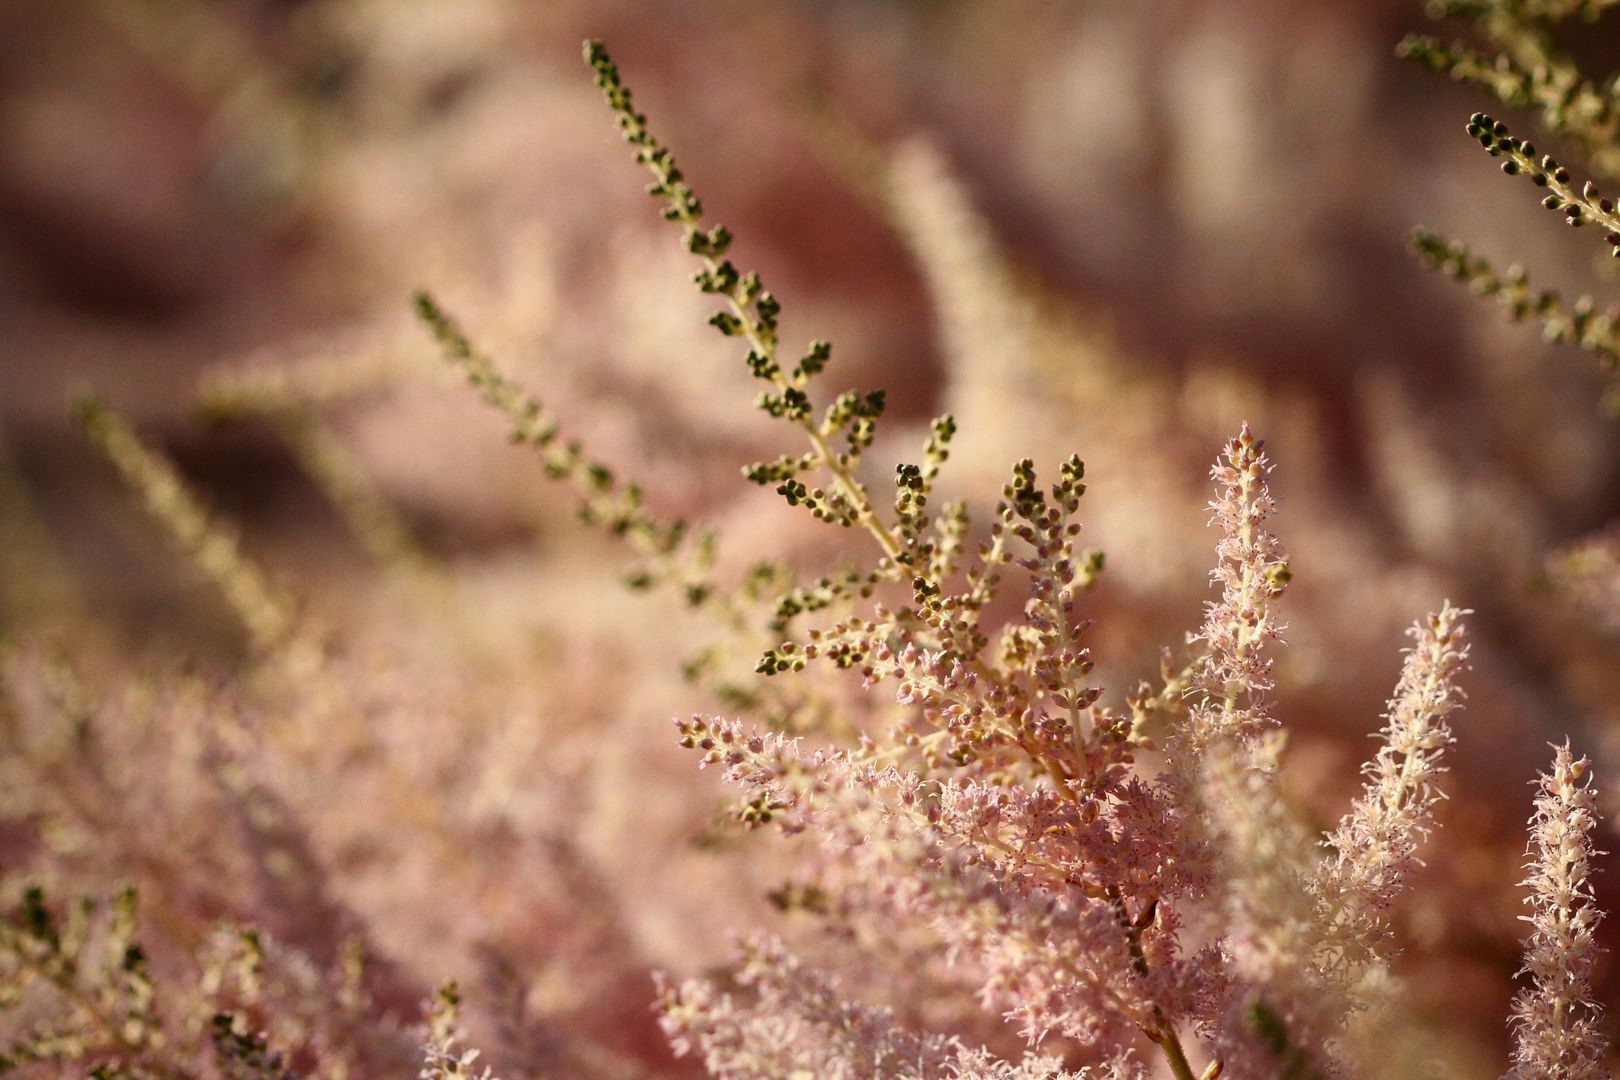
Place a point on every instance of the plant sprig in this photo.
(1580, 207)
(266, 613)
(673, 552)
(1580, 323)
(752, 313)
(1568, 105)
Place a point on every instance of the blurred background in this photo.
(1112, 229)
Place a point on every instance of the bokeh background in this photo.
(1113, 229)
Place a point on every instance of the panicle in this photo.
(1027, 885)
(1252, 572)
(1375, 844)
(1229, 680)
(1555, 1021)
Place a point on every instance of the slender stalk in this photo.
(1180, 1067)
(1162, 1034)
(265, 613)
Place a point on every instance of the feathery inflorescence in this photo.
(1234, 675)
(1374, 847)
(1555, 1020)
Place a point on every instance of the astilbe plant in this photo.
(1555, 1023)
(1120, 877)
(1115, 874)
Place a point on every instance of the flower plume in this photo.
(1555, 1021)
(1251, 569)
(1375, 845)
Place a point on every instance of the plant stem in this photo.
(1173, 1053)
(1162, 1033)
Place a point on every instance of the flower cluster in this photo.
(1555, 1021)
(1008, 808)
(1000, 866)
